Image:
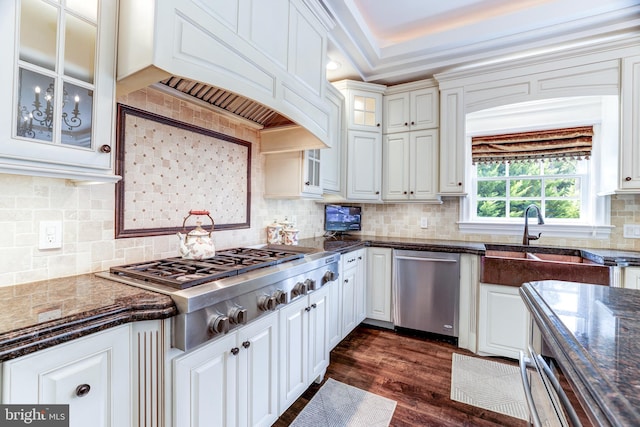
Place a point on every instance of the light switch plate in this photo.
(50, 236)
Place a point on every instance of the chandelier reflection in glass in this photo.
(44, 117)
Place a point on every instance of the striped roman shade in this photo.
(539, 144)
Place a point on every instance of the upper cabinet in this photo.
(293, 174)
(57, 117)
(273, 52)
(410, 107)
(363, 105)
(363, 113)
(630, 136)
(332, 165)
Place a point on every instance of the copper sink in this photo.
(515, 265)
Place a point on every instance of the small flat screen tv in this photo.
(342, 219)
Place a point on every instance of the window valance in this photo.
(540, 144)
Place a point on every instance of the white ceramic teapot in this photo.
(197, 244)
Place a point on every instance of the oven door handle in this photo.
(533, 413)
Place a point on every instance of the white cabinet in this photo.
(630, 125)
(364, 153)
(231, 381)
(379, 284)
(293, 174)
(273, 52)
(333, 159)
(58, 109)
(453, 152)
(363, 110)
(354, 302)
(410, 107)
(631, 278)
(504, 321)
(304, 349)
(334, 327)
(90, 374)
(410, 166)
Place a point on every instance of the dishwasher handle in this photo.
(533, 413)
(416, 258)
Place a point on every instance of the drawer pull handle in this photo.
(82, 390)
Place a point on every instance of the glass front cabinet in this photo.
(58, 115)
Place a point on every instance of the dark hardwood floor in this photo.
(413, 371)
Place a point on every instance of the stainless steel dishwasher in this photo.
(426, 291)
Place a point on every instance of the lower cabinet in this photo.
(631, 278)
(379, 284)
(354, 302)
(232, 381)
(504, 321)
(334, 326)
(90, 374)
(304, 350)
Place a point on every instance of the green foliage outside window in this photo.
(505, 190)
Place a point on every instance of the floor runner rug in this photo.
(341, 405)
(489, 385)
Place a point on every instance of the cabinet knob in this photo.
(459, 184)
(406, 124)
(235, 351)
(246, 344)
(378, 125)
(377, 192)
(346, 280)
(628, 178)
(413, 123)
(411, 192)
(314, 305)
(307, 183)
(82, 390)
(307, 309)
(105, 148)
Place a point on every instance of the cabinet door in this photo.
(99, 364)
(505, 323)
(205, 385)
(396, 113)
(294, 352)
(258, 374)
(395, 170)
(379, 284)
(632, 278)
(364, 111)
(331, 165)
(424, 113)
(312, 172)
(364, 157)
(630, 138)
(348, 299)
(318, 332)
(61, 81)
(360, 288)
(452, 147)
(423, 164)
(335, 313)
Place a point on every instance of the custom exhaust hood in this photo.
(277, 132)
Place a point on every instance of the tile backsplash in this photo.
(87, 214)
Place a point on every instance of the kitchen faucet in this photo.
(526, 236)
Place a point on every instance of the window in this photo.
(571, 191)
(504, 190)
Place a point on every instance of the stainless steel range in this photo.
(237, 286)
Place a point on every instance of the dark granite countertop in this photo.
(593, 332)
(38, 315)
(342, 244)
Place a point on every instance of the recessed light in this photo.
(333, 65)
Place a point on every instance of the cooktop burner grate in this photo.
(182, 273)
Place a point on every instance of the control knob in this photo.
(329, 276)
(238, 315)
(219, 325)
(310, 284)
(267, 303)
(280, 296)
(299, 289)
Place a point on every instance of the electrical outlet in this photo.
(631, 231)
(50, 235)
(423, 222)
